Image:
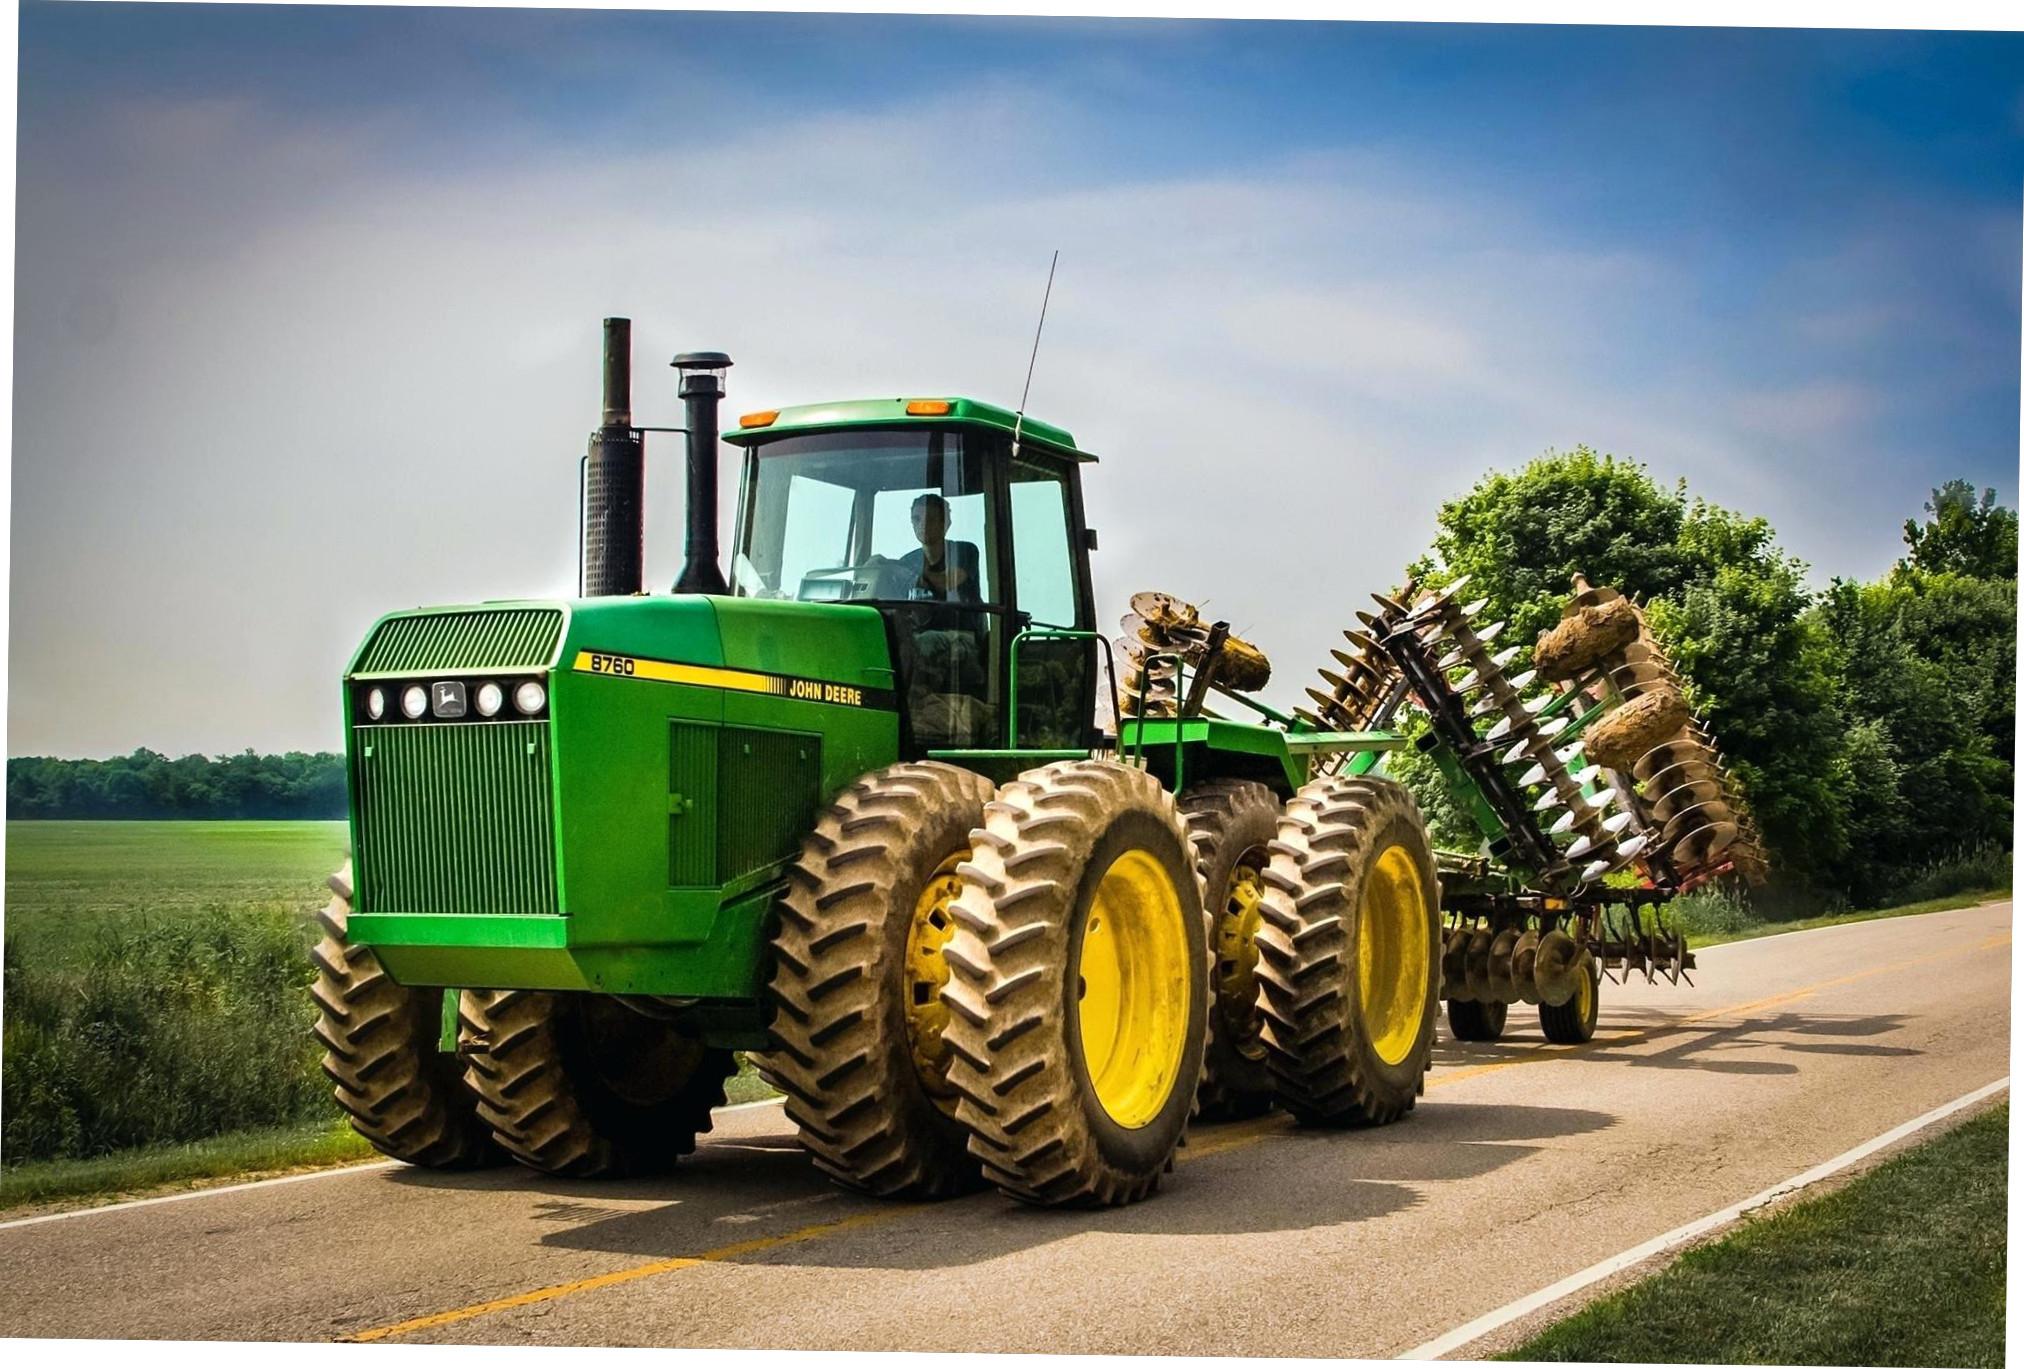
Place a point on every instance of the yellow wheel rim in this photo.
(1131, 1012)
(1237, 956)
(1391, 955)
(927, 971)
(1584, 999)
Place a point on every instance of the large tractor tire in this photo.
(582, 1086)
(1573, 1023)
(857, 978)
(382, 1051)
(1230, 823)
(1349, 955)
(1471, 1021)
(1079, 985)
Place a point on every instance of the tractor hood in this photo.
(820, 653)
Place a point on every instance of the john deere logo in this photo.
(447, 699)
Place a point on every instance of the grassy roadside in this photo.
(148, 1171)
(1931, 905)
(1903, 1266)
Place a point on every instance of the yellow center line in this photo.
(639, 1271)
(1222, 1142)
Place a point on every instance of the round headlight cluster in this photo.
(489, 699)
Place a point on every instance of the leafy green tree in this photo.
(1722, 597)
(148, 784)
(1963, 535)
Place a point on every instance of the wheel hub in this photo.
(1237, 957)
(1391, 955)
(928, 936)
(1132, 1006)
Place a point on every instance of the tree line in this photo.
(1870, 726)
(148, 784)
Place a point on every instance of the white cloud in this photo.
(322, 380)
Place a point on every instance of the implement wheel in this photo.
(1230, 823)
(1476, 1021)
(1573, 1022)
(1350, 951)
(580, 1085)
(857, 980)
(382, 1051)
(1079, 985)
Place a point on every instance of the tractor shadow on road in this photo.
(1650, 1038)
(1247, 1178)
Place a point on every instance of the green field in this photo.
(157, 1007)
(65, 879)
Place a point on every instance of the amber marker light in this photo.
(763, 419)
(927, 408)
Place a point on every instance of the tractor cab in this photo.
(975, 555)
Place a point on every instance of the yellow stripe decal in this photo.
(723, 677)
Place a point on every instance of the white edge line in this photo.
(1574, 1283)
(196, 1193)
(222, 1189)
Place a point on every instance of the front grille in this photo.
(471, 639)
(454, 818)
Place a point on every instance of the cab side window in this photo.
(1055, 677)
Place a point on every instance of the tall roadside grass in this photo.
(159, 1029)
(1968, 869)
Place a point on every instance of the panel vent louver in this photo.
(739, 798)
(472, 639)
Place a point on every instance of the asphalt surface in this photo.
(1523, 1163)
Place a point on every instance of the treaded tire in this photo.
(382, 1053)
(843, 1051)
(541, 1065)
(1573, 1022)
(1035, 1120)
(1332, 834)
(1477, 1021)
(1228, 822)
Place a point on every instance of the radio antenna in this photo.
(1019, 420)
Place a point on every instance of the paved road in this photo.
(1524, 1163)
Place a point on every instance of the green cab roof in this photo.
(892, 413)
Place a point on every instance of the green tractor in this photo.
(851, 811)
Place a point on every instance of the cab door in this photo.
(1055, 679)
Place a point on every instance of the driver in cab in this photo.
(941, 568)
(948, 674)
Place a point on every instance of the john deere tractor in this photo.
(855, 810)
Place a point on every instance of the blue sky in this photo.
(328, 282)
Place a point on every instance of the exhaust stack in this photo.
(614, 529)
(702, 387)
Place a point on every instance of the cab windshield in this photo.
(868, 516)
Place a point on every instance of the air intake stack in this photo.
(702, 387)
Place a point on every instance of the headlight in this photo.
(414, 701)
(529, 697)
(491, 699)
(376, 704)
